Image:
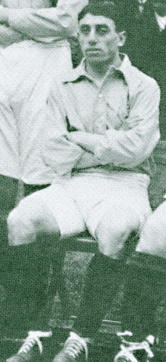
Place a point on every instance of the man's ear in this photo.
(122, 38)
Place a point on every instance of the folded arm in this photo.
(87, 160)
(9, 36)
(63, 155)
(58, 22)
(58, 152)
(131, 146)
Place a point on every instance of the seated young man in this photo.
(27, 70)
(102, 128)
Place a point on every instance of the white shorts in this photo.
(80, 202)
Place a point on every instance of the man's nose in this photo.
(92, 37)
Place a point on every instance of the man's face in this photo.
(98, 38)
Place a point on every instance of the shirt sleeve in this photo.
(58, 152)
(131, 146)
(87, 160)
(58, 22)
(9, 36)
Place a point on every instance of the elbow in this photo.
(138, 150)
(126, 159)
(120, 156)
(127, 149)
(136, 158)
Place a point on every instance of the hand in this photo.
(4, 15)
(132, 122)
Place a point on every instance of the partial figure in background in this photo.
(42, 52)
(146, 44)
(9, 36)
(144, 305)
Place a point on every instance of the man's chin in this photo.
(95, 58)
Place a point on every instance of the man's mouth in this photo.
(93, 51)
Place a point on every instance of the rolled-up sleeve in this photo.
(58, 152)
(131, 146)
(59, 22)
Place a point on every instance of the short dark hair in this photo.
(107, 9)
(54, 2)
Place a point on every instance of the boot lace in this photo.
(75, 345)
(32, 339)
(128, 347)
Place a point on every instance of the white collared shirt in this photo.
(129, 128)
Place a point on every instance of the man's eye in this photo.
(85, 29)
(102, 30)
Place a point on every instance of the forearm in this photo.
(122, 148)
(60, 154)
(126, 149)
(9, 36)
(87, 141)
(58, 22)
(133, 144)
(87, 160)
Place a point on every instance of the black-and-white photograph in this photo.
(82, 180)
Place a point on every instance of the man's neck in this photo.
(98, 70)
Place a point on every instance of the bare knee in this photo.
(21, 226)
(114, 229)
(28, 219)
(153, 235)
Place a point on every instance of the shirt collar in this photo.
(80, 71)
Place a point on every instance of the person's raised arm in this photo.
(57, 22)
